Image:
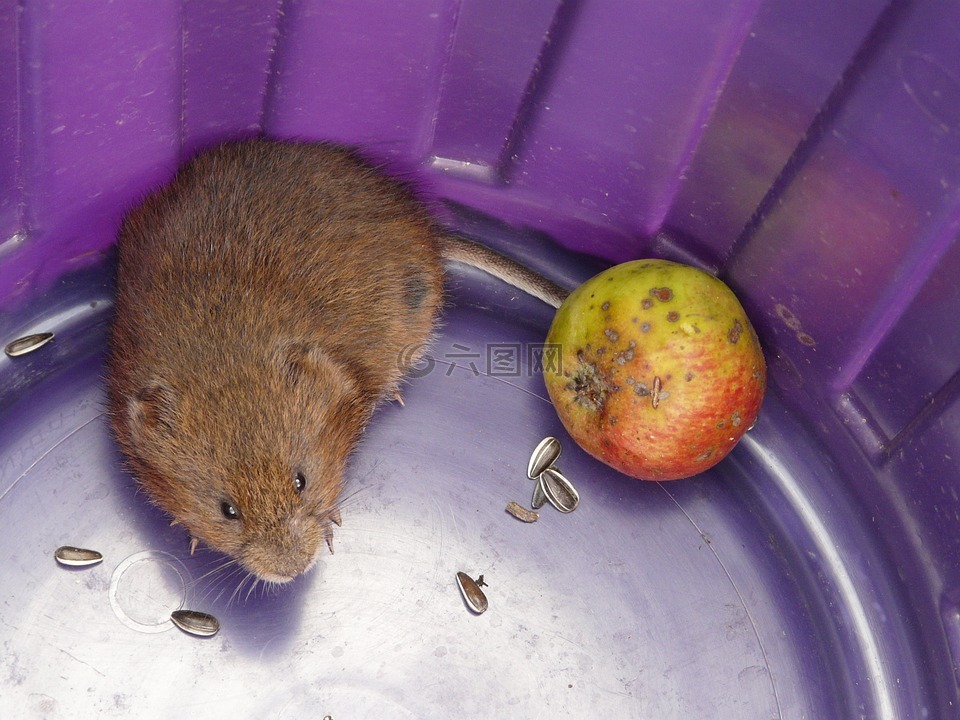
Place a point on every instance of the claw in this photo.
(398, 398)
(334, 516)
(328, 536)
(193, 545)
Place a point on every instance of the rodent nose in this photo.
(279, 568)
(281, 559)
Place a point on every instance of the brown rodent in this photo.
(267, 301)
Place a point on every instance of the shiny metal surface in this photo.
(653, 600)
(805, 152)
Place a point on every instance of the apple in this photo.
(660, 372)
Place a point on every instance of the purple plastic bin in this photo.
(808, 153)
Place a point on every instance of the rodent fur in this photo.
(267, 299)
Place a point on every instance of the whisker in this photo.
(351, 499)
(253, 586)
(234, 572)
(213, 565)
(231, 568)
(236, 591)
(225, 563)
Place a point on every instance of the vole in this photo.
(269, 298)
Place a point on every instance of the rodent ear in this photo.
(151, 409)
(298, 359)
(416, 287)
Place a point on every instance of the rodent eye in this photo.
(300, 482)
(229, 511)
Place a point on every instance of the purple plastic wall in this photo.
(806, 152)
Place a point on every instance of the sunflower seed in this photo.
(76, 557)
(539, 499)
(196, 623)
(27, 344)
(544, 455)
(521, 513)
(559, 491)
(472, 594)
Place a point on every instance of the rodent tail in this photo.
(503, 268)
